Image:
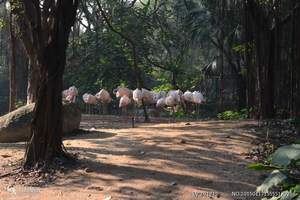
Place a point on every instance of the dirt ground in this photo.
(195, 160)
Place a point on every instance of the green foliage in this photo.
(180, 114)
(282, 113)
(233, 115)
(296, 123)
(243, 72)
(285, 174)
(261, 167)
(164, 87)
(2, 23)
(242, 48)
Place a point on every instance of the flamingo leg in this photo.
(198, 111)
(174, 113)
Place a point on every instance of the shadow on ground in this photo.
(160, 161)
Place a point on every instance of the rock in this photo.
(173, 183)
(95, 188)
(182, 141)
(6, 156)
(107, 198)
(15, 126)
(88, 170)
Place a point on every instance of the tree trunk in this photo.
(221, 78)
(242, 92)
(296, 67)
(12, 67)
(46, 140)
(268, 76)
(49, 33)
(221, 56)
(174, 80)
(139, 81)
(251, 71)
(264, 42)
(33, 81)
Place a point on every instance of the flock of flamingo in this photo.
(128, 97)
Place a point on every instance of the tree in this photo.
(264, 37)
(135, 56)
(12, 66)
(44, 28)
(4, 65)
(177, 42)
(172, 51)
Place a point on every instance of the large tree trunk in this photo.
(266, 63)
(221, 78)
(242, 92)
(296, 65)
(33, 81)
(46, 140)
(264, 38)
(221, 54)
(45, 36)
(12, 67)
(251, 71)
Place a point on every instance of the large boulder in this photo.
(15, 126)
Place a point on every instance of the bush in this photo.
(164, 87)
(296, 123)
(233, 115)
(180, 114)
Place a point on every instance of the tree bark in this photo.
(33, 81)
(46, 140)
(264, 38)
(45, 37)
(241, 87)
(221, 56)
(12, 66)
(174, 80)
(251, 70)
(296, 64)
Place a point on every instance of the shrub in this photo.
(164, 87)
(233, 115)
(296, 123)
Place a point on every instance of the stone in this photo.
(15, 126)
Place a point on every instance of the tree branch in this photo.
(110, 25)
(157, 65)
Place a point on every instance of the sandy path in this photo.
(153, 161)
